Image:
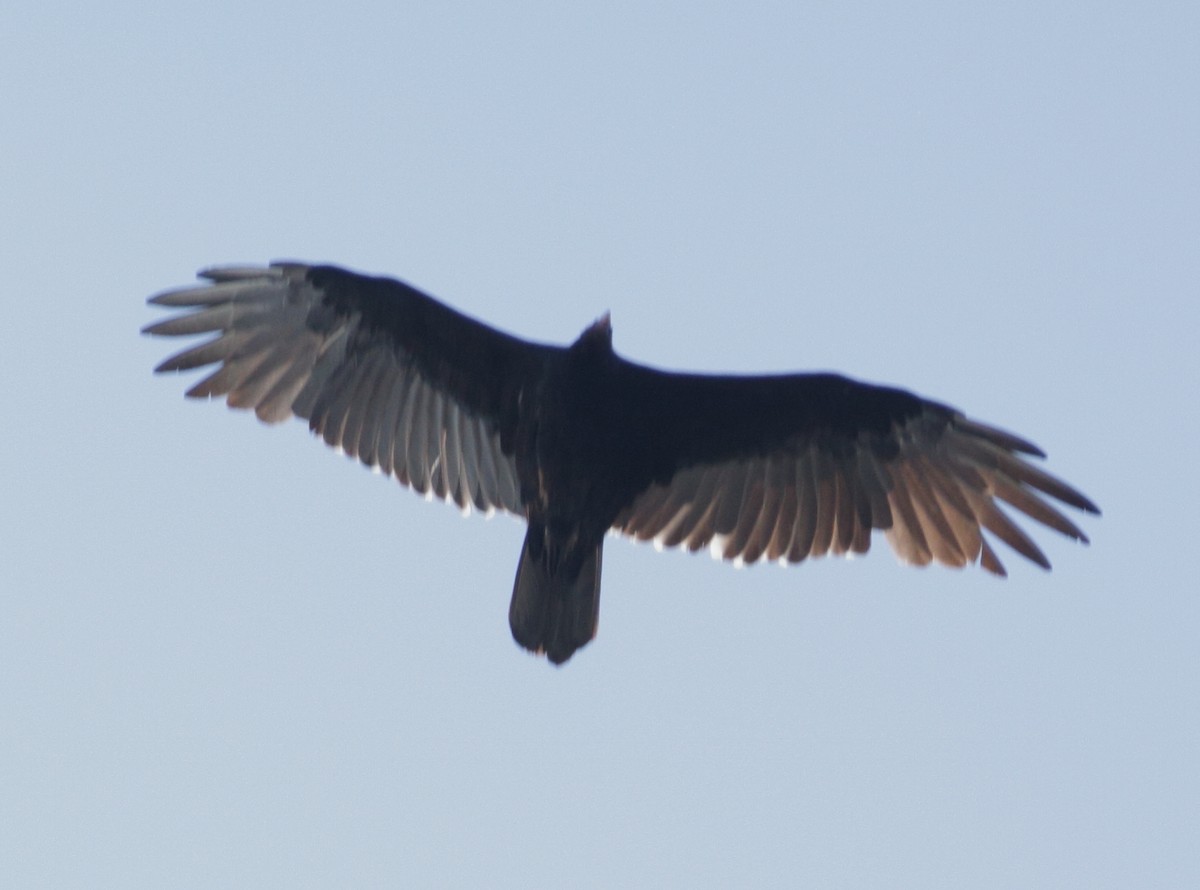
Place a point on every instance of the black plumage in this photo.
(577, 441)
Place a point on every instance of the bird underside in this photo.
(774, 467)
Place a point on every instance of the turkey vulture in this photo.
(578, 441)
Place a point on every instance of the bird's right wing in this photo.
(379, 370)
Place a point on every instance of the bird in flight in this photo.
(578, 441)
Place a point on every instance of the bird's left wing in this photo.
(802, 465)
(378, 369)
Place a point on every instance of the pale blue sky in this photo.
(229, 657)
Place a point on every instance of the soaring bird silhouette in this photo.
(577, 441)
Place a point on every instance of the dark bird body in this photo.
(578, 441)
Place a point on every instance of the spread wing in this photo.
(788, 467)
(378, 369)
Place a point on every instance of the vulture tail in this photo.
(551, 611)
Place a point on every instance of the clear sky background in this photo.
(229, 657)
